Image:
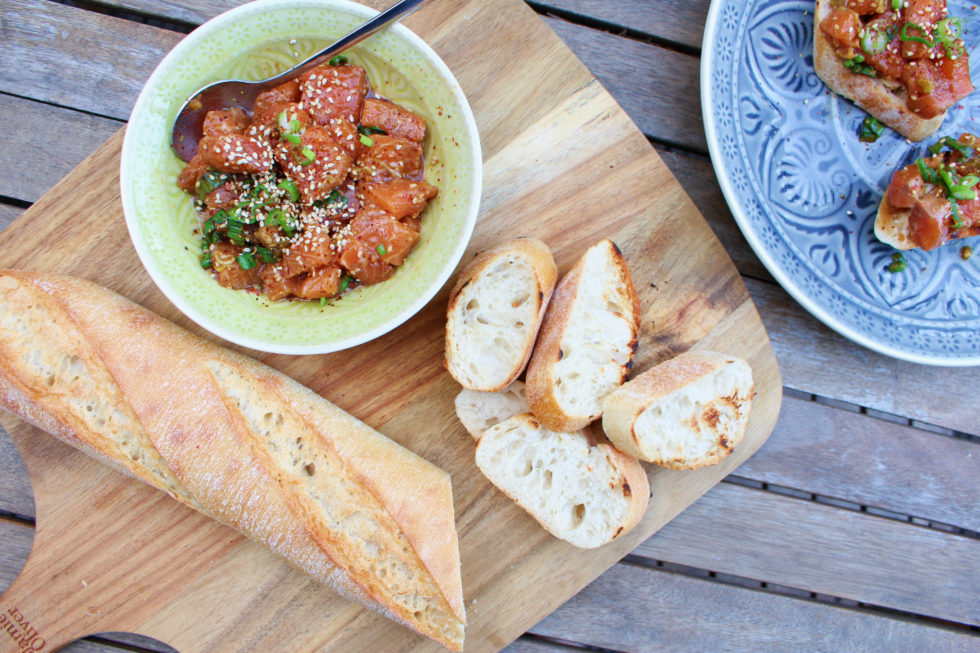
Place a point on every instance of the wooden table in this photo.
(855, 527)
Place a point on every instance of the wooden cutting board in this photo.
(563, 163)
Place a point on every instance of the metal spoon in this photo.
(240, 93)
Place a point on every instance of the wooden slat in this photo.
(71, 57)
(529, 645)
(817, 360)
(677, 21)
(8, 212)
(645, 610)
(16, 495)
(657, 87)
(761, 535)
(41, 144)
(871, 462)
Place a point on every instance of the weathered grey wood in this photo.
(816, 360)
(818, 548)
(8, 212)
(16, 495)
(81, 59)
(657, 87)
(639, 610)
(41, 144)
(871, 462)
(529, 645)
(677, 21)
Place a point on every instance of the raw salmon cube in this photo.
(393, 119)
(400, 197)
(334, 92)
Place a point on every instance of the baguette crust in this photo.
(218, 422)
(484, 350)
(579, 487)
(685, 413)
(550, 363)
(869, 93)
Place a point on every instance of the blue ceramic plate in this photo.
(804, 190)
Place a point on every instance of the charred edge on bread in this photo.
(711, 416)
(616, 247)
(725, 444)
(454, 295)
(618, 531)
(540, 296)
(627, 492)
(561, 354)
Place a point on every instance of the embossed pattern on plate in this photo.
(804, 190)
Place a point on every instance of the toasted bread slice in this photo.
(587, 341)
(889, 105)
(892, 226)
(478, 411)
(579, 489)
(495, 311)
(685, 413)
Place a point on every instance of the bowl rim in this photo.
(157, 274)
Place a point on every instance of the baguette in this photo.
(587, 341)
(580, 489)
(237, 440)
(685, 413)
(494, 313)
(478, 411)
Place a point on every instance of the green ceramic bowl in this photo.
(255, 41)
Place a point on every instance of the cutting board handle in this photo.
(30, 620)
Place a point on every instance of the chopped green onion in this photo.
(206, 258)
(267, 255)
(898, 263)
(970, 181)
(309, 154)
(288, 186)
(292, 138)
(905, 36)
(381, 250)
(339, 60)
(896, 4)
(945, 178)
(927, 173)
(857, 65)
(871, 129)
(366, 141)
(283, 120)
(245, 260)
(209, 181)
(873, 41)
(962, 192)
(957, 218)
(942, 32)
(323, 301)
(335, 197)
(344, 282)
(368, 130)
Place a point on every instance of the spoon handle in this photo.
(386, 17)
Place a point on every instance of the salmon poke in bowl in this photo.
(326, 215)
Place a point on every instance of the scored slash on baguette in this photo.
(886, 104)
(495, 311)
(586, 344)
(579, 489)
(237, 440)
(687, 412)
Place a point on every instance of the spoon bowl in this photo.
(189, 123)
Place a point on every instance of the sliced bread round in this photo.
(495, 311)
(587, 341)
(685, 413)
(478, 411)
(580, 490)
